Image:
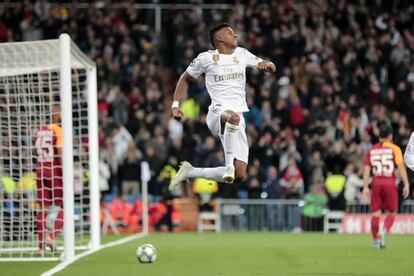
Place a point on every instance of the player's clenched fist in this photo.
(262, 65)
(266, 66)
(177, 114)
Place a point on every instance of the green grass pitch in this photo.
(238, 254)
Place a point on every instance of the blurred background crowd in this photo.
(343, 67)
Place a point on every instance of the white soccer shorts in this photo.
(241, 148)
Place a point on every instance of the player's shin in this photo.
(375, 227)
(41, 227)
(389, 221)
(230, 131)
(57, 225)
(207, 173)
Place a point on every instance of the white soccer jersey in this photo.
(225, 76)
(409, 153)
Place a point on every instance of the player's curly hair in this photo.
(215, 29)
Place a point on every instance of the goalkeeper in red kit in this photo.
(382, 159)
(48, 144)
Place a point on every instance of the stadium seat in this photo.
(333, 221)
(209, 221)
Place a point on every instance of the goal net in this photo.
(49, 198)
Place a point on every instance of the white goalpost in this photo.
(35, 77)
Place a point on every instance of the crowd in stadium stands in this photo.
(343, 67)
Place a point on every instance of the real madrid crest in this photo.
(236, 60)
(216, 58)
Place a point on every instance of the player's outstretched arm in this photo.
(178, 95)
(266, 66)
(404, 177)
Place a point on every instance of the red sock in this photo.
(389, 221)
(41, 227)
(58, 225)
(374, 227)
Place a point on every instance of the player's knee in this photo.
(234, 118)
(239, 177)
(376, 213)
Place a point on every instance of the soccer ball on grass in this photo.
(146, 253)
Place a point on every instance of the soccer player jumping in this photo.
(382, 158)
(225, 79)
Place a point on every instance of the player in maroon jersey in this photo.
(48, 145)
(382, 159)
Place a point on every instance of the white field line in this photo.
(64, 264)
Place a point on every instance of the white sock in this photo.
(215, 174)
(230, 132)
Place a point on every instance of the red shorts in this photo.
(49, 187)
(384, 195)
